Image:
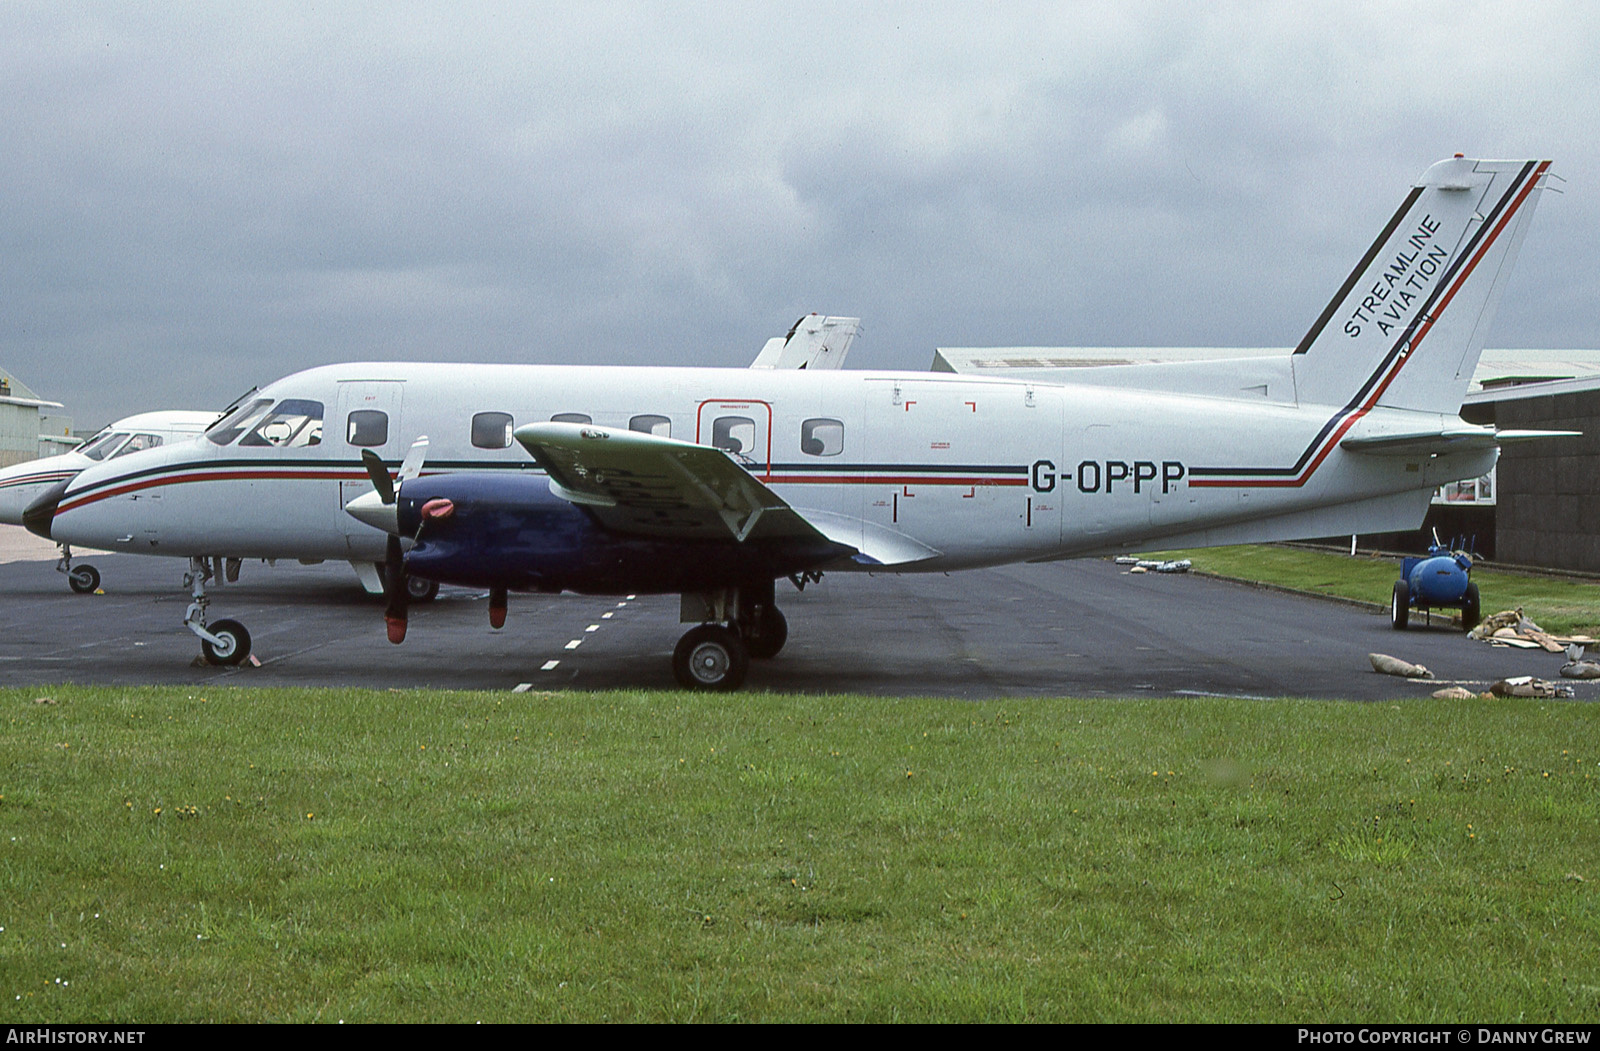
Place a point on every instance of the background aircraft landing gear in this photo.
(421, 590)
(710, 657)
(226, 642)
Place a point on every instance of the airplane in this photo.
(715, 483)
(21, 484)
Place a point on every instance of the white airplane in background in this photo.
(715, 483)
(21, 484)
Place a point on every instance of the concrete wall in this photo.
(1549, 503)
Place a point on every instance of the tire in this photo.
(421, 590)
(1400, 605)
(84, 580)
(772, 633)
(236, 643)
(1471, 608)
(710, 657)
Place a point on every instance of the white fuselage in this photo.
(982, 471)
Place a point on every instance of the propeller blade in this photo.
(394, 584)
(411, 466)
(379, 475)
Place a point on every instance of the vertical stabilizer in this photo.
(1406, 329)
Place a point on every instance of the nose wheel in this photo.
(231, 645)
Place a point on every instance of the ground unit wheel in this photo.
(710, 657)
(768, 635)
(1400, 605)
(421, 590)
(1471, 608)
(84, 579)
(234, 647)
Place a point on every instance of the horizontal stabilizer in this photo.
(1444, 440)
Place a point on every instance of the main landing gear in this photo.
(735, 625)
(84, 579)
(225, 642)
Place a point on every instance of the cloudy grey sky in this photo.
(197, 197)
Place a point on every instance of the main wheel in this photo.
(422, 590)
(1471, 608)
(768, 635)
(234, 647)
(1400, 605)
(84, 580)
(710, 657)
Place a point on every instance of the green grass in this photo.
(1558, 604)
(274, 855)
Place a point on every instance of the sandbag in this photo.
(1388, 665)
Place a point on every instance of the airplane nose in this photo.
(37, 516)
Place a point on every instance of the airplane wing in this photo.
(1458, 439)
(648, 485)
(815, 342)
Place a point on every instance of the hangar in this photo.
(27, 431)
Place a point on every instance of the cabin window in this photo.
(571, 417)
(367, 427)
(734, 434)
(492, 430)
(296, 423)
(660, 426)
(235, 423)
(822, 437)
(103, 444)
(137, 443)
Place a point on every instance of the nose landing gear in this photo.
(226, 642)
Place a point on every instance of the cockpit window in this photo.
(296, 423)
(138, 442)
(103, 444)
(571, 417)
(242, 418)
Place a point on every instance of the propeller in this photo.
(386, 516)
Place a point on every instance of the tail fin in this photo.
(815, 342)
(1406, 329)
